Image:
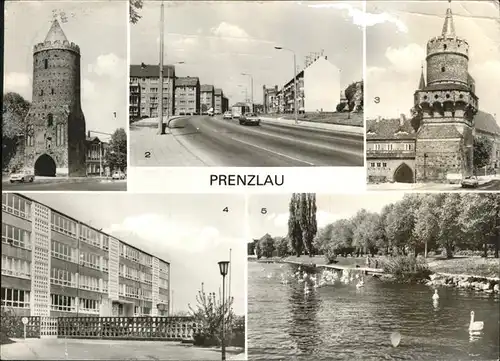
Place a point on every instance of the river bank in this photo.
(475, 273)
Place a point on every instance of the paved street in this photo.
(212, 141)
(487, 186)
(82, 185)
(71, 349)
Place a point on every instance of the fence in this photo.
(13, 327)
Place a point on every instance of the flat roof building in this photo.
(55, 265)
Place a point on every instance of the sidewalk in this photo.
(306, 124)
(153, 122)
(148, 149)
(40, 179)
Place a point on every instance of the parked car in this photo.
(249, 119)
(118, 175)
(21, 177)
(470, 182)
(227, 115)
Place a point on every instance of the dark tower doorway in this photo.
(45, 166)
(403, 174)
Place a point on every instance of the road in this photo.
(491, 186)
(84, 185)
(219, 142)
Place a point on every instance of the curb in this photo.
(349, 129)
(166, 123)
(63, 180)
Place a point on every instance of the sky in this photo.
(330, 208)
(218, 43)
(99, 28)
(192, 232)
(396, 47)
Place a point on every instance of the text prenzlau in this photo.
(248, 180)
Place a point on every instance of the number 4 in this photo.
(225, 210)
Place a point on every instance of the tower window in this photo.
(52, 91)
(41, 91)
(50, 120)
(443, 69)
(445, 46)
(45, 63)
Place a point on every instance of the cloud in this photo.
(164, 234)
(88, 89)
(487, 88)
(322, 218)
(226, 30)
(109, 65)
(19, 83)
(362, 18)
(406, 59)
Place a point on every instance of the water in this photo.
(342, 322)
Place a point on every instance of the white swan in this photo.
(360, 284)
(435, 296)
(475, 325)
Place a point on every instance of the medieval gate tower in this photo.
(447, 104)
(55, 124)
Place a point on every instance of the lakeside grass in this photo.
(473, 266)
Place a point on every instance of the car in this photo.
(118, 175)
(470, 182)
(21, 177)
(227, 115)
(249, 119)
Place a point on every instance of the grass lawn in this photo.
(355, 119)
(476, 266)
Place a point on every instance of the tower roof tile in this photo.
(56, 33)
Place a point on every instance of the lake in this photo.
(342, 322)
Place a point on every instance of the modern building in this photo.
(55, 265)
(96, 156)
(207, 99)
(436, 144)
(318, 75)
(187, 96)
(145, 91)
(55, 135)
(225, 104)
(218, 101)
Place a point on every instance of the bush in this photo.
(330, 254)
(341, 107)
(406, 268)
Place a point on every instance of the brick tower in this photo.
(55, 124)
(447, 104)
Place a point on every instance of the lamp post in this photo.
(294, 80)
(251, 90)
(425, 163)
(223, 267)
(160, 111)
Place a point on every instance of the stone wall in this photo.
(484, 284)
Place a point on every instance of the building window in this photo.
(50, 120)
(15, 298)
(62, 303)
(378, 165)
(41, 92)
(90, 260)
(60, 134)
(63, 251)
(52, 91)
(132, 292)
(163, 283)
(384, 165)
(443, 69)
(88, 283)
(104, 286)
(16, 236)
(18, 206)
(63, 225)
(163, 267)
(62, 277)
(105, 264)
(45, 63)
(105, 243)
(16, 267)
(132, 254)
(147, 295)
(90, 236)
(147, 278)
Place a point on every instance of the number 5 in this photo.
(263, 211)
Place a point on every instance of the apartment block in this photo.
(207, 99)
(187, 96)
(145, 91)
(218, 101)
(55, 265)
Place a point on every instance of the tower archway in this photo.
(45, 166)
(403, 174)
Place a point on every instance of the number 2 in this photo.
(147, 155)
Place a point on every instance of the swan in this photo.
(360, 284)
(475, 325)
(306, 289)
(435, 296)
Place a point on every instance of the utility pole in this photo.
(160, 111)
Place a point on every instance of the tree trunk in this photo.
(485, 249)
(425, 251)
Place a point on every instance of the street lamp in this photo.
(251, 84)
(223, 267)
(294, 80)
(160, 111)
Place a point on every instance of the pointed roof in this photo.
(448, 26)
(421, 85)
(56, 33)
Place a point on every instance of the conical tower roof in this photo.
(448, 26)
(421, 85)
(56, 33)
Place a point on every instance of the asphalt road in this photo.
(491, 186)
(221, 142)
(66, 186)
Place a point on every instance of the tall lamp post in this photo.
(223, 267)
(251, 90)
(294, 80)
(160, 111)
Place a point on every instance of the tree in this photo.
(266, 244)
(323, 238)
(450, 232)
(258, 250)
(341, 106)
(482, 151)
(426, 220)
(281, 246)
(350, 94)
(15, 110)
(366, 232)
(116, 157)
(294, 230)
(307, 220)
(251, 248)
(400, 224)
(135, 6)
